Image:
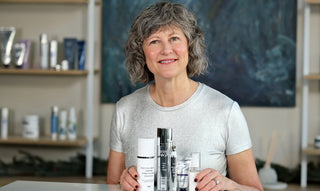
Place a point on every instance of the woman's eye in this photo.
(174, 38)
(153, 42)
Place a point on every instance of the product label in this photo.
(145, 167)
(164, 169)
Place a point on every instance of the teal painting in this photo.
(251, 48)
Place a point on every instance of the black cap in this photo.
(164, 134)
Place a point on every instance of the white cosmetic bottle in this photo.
(146, 163)
(194, 169)
(4, 122)
(53, 54)
(44, 51)
(63, 125)
(72, 124)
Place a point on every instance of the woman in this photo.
(165, 48)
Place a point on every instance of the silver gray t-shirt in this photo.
(208, 122)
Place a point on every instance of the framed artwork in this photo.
(251, 47)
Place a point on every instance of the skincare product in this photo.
(44, 51)
(81, 54)
(164, 143)
(182, 171)
(70, 49)
(63, 125)
(53, 54)
(194, 169)
(4, 122)
(31, 126)
(64, 65)
(72, 124)
(146, 163)
(6, 39)
(54, 122)
(173, 161)
(27, 44)
(19, 50)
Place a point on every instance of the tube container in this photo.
(72, 124)
(70, 49)
(27, 45)
(164, 143)
(44, 51)
(19, 50)
(194, 169)
(4, 122)
(63, 125)
(182, 171)
(54, 122)
(81, 54)
(146, 163)
(6, 41)
(53, 54)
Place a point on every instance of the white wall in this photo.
(262, 121)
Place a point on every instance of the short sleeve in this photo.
(115, 135)
(238, 133)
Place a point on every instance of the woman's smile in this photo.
(167, 61)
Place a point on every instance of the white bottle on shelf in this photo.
(4, 122)
(63, 125)
(72, 124)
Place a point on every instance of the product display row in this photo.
(16, 54)
(63, 124)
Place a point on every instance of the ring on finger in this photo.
(217, 181)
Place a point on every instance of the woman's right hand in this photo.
(128, 179)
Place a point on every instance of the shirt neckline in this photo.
(184, 104)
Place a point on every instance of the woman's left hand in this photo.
(210, 179)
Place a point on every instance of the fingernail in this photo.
(195, 180)
(196, 189)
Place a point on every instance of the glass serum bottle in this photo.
(146, 163)
(194, 169)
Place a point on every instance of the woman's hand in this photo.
(210, 179)
(128, 179)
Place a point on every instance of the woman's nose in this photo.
(166, 48)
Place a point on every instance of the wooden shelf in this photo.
(44, 141)
(313, 1)
(44, 72)
(311, 150)
(312, 76)
(47, 1)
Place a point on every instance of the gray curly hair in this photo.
(151, 20)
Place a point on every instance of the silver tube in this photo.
(19, 53)
(6, 38)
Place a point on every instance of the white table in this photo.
(57, 186)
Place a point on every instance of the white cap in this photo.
(43, 38)
(145, 147)
(4, 112)
(72, 114)
(195, 162)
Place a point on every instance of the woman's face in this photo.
(166, 53)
